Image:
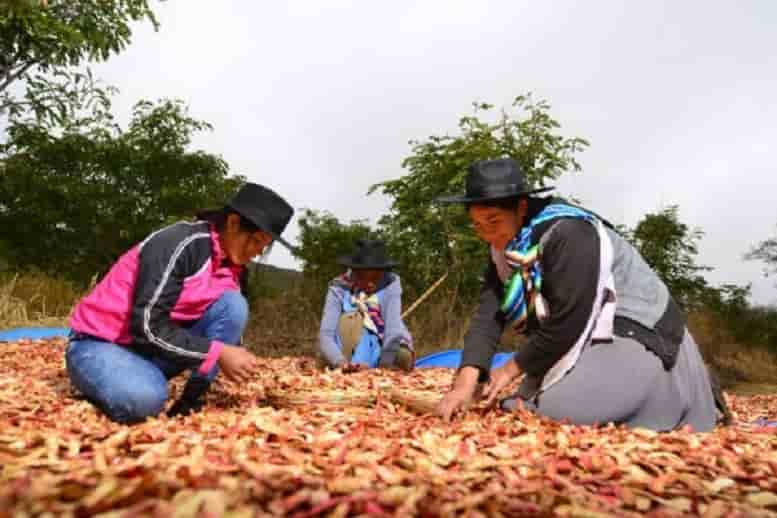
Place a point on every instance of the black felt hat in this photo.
(493, 180)
(368, 255)
(264, 208)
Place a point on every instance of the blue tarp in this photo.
(452, 358)
(11, 335)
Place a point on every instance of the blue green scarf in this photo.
(522, 290)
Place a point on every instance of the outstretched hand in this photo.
(237, 363)
(461, 395)
(500, 378)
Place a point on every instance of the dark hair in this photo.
(218, 218)
(535, 204)
(503, 203)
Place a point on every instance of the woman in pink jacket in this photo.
(173, 303)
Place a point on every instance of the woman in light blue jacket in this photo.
(361, 326)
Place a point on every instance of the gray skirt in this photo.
(624, 383)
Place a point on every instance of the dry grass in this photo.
(34, 299)
(283, 325)
(438, 323)
(735, 363)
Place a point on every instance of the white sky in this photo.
(318, 99)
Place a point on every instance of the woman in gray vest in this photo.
(607, 343)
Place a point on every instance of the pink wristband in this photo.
(213, 356)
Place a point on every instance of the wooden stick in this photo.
(424, 296)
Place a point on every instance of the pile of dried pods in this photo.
(301, 442)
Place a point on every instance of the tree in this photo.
(45, 39)
(431, 239)
(323, 238)
(74, 197)
(670, 248)
(766, 252)
(728, 301)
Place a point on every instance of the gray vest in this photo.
(645, 310)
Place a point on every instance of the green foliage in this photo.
(323, 238)
(431, 239)
(766, 252)
(670, 248)
(41, 39)
(729, 301)
(56, 99)
(77, 189)
(757, 327)
(752, 325)
(76, 196)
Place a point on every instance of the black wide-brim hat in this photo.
(264, 208)
(368, 255)
(489, 180)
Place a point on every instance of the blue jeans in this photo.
(130, 387)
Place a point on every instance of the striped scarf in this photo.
(522, 290)
(369, 307)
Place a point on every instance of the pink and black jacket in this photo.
(156, 290)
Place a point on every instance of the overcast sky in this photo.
(318, 99)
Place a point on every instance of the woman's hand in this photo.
(349, 367)
(461, 394)
(237, 363)
(500, 378)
